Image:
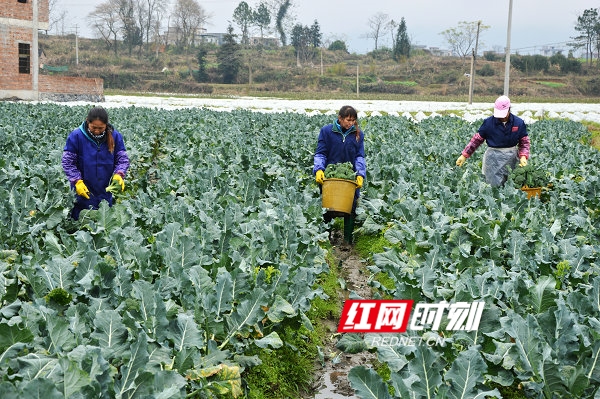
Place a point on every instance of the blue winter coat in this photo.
(85, 159)
(335, 146)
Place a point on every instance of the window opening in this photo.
(24, 57)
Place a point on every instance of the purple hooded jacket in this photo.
(83, 158)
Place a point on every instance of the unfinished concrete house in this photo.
(20, 78)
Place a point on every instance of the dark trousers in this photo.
(348, 220)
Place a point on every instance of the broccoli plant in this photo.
(342, 170)
(529, 176)
(114, 187)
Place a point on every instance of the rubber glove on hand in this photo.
(320, 176)
(119, 179)
(461, 160)
(359, 181)
(523, 161)
(81, 189)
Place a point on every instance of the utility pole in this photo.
(472, 77)
(35, 70)
(321, 61)
(507, 60)
(356, 80)
(76, 46)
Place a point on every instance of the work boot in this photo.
(348, 228)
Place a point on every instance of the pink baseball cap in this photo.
(501, 107)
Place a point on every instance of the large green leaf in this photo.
(427, 365)
(13, 334)
(367, 383)
(465, 377)
(543, 294)
(185, 333)
(40, 388)
(73, 378)
(219, 301)
(134, 370)
(246, 315)
(110, 333)
(530, 351)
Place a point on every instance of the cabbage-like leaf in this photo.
(367, 383)
(73, 378)
(128, 382)
(465, 374)
(248, 313)
(13, 334)
(271, 340)
(185, 333)
(351, 343)
(110, 333)
(428, 366)
(40, 388)
(543, 294)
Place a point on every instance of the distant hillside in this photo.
(276, 72)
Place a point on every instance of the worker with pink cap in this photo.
(508, 143)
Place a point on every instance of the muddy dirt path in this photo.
(331, 380)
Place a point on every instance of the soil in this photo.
(331, 379)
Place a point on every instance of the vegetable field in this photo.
(218, 241)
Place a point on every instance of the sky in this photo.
(535, 23)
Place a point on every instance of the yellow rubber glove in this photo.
(81, 189)
(119, 180)
(359, 181)
(461, 160)
(320, 176)
(523, 161)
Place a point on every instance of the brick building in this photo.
(20, 21)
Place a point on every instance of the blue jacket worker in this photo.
(93, 156)
(339, 142)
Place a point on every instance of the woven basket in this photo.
(338, 195)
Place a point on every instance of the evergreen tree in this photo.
(281, 14)
(228, 57)
(315, 34)
(338, 45)
(262, 18)
(244, 17)
(201, 56)
(587, 25)
(402, 44)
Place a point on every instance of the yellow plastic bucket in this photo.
(338, 195)
(532, 191)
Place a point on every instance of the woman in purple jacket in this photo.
(93, 156)
(339, 142)
(507, 141)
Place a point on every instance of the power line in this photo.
(551, 44)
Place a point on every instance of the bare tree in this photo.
(377, 25)
(56, 19)
(150, 13)
(392, 27)
(189, 17)
(105, 20)
(462, 38)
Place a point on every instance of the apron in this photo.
(497, 163)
